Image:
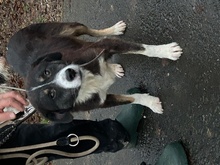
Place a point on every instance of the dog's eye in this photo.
(47, 72)
(52, 93)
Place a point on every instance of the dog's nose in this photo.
(70, 74)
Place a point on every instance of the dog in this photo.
(63, 73)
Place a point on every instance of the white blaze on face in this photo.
(61, 77)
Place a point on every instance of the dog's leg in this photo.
(116, 29)
(81, 29)
(170, 51)
(143, 99)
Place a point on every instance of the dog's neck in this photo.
(88, 87)
(95, 83)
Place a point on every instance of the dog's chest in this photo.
(96, 83)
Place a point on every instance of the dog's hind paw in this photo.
(118, 28)
(170, 51)
(149, 101)
(118, 70)
(173, 51)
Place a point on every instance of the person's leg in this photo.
(111, 134)
(173, 154)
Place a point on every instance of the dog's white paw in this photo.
(149, 101)
(171, 51)
(118, 70)
(155, 104)
(119, 28)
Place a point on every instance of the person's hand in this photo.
(11, 99)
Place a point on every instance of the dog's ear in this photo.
(56, 56)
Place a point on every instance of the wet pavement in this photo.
(188, 88)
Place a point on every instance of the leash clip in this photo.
(64, 141)
(73, 138)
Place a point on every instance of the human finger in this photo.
(5, 116)
(15, 95)
(11, 102)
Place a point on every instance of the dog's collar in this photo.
(40, 86)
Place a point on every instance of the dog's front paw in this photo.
(119, 28)
(149, 101)
(118, 70)
(171, 51)
(155, 104)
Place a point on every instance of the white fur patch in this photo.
(92, 84)
(149, 101)
(170, 51)
(118, 70)
(61, 79)
(118, 28)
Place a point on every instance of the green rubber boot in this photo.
(173, 154)
(130, 117)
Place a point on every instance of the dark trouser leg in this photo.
(110, 133)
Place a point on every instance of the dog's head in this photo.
(53, 86)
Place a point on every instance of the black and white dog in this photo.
(63, 73)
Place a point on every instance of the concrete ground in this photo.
(188, 88)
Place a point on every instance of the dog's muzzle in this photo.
(68, 77)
